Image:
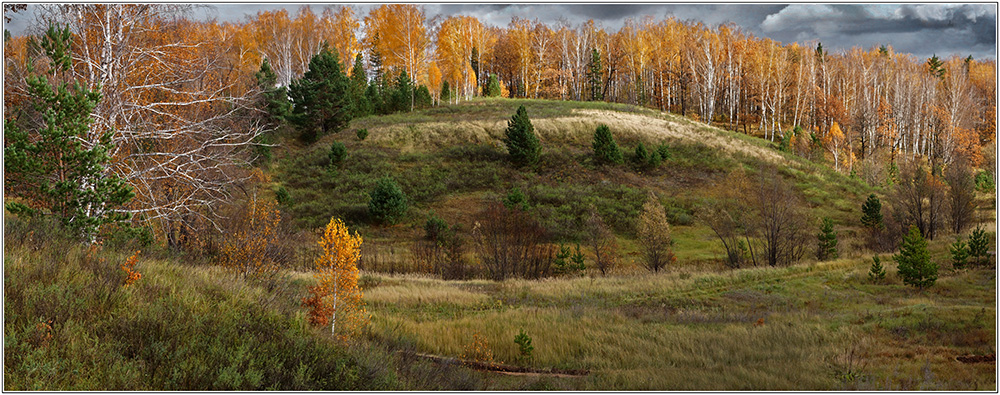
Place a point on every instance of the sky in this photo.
(923, 29)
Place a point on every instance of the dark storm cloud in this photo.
(921, 29)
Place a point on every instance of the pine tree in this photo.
(595, 76)
(321, 97)
(522, 144)
(641, 156)
(876, 273)
(978, 244)
(387, 203)
(445, 92)
(827, 247)
(915, 266)
(493, 88)
(402, 94)
(516, 200)
(871, 213)
(606, 150)
(359, 85)
(474, 63)
(61, 164)
(275, 98)
(935, 67)
(422, 97)
(959, 253)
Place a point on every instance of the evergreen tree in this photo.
(978, 244)
(374, 95)
(827, 247)
(321, 97)
(474, 63)
(423, 97)
(59, 164)
(959, 253)
(338, 151)
(915, 266)
(275, 98)
(871, 213)
(445, 92)
(595, 76)
(387, 203)
(655, 159)
(493, 88)
(359, 85)
(664, 151)
(522, 144)
(876, 273)
(935, 67)
(641, 156)
(402, 94)
(606, 150)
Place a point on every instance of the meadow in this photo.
(70, 324)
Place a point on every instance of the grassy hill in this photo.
(698, 325)
(448, 159)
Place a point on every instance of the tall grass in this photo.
(70, 324)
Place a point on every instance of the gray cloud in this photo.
(921, 29)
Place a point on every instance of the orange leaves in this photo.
(248, 250)
(131, 275)
(398, 32)
(337, 298)
(479, 351)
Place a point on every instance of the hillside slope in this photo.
(448, 159)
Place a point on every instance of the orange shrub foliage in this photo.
(249, 250)
(479, 351)
(131, 275)
(337, 298)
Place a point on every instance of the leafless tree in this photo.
(182, 120)
(602, 241)
(961, 188)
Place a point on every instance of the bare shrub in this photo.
(507, 242)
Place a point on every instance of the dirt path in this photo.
(511, 370)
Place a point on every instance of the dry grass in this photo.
(808, 327)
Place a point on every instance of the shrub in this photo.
(516, 199)
(338, 151)
(522, 144)
(251, 249)
(387, 203)
(915, 266)
(435, 228)
(362, 134)
(984, 182)
(959, 253)
(508, 243)
(877, 272)
(606, 150)
(282, 196)
(827, 246)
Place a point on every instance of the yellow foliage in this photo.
(337, 290)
